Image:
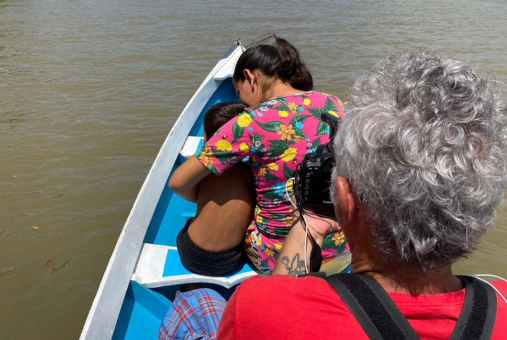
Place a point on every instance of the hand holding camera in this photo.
(313, 175)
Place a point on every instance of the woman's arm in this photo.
(185, 180)
(292, 257)
(220, 152)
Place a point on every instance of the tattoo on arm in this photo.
(294, 267)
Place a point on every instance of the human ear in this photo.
(345, 200)
(250, 77)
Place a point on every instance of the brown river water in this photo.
(89, 90)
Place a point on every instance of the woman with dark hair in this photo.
(281, 125)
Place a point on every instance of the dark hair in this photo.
(279, 60)
(219, 114)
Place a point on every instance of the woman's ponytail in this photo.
(291, 68)
(278, 60)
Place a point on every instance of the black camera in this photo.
(313, 174)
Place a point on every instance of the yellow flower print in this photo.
(340, 102)
(283, 114)
(286, 132)
(206, 158)
(259, 219)
(290, 185)
(338, 238)
(223, 145)
(262, 171)
(244, 120)
(292, 107)
(278, 245)
(273, 166)
(243, 147)
(333, 113)
(306, 102)
(289, 154)
(269, 252)
(288, 221)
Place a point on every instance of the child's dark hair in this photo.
(219, 114)
(279, 60)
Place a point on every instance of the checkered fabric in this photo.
(193, 315)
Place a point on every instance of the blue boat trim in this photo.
(142, 313)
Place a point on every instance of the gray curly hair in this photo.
(424, 141)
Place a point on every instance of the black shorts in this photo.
(204, 262)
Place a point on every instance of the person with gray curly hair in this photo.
(421, 168)
(424, 142)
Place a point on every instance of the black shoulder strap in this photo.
(380, 318)
(377, 314)
(315, 255)
(477, 317)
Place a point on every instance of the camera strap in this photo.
(315, 255)
(380, 318)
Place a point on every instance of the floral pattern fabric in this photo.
(274, 137)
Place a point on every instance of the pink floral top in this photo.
(274, 137)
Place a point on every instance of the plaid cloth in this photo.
(193, 315)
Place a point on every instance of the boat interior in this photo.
(159, 273)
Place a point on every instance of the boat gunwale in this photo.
(104, 312)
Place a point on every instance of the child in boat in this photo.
(211, 242)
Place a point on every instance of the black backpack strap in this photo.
(373, 309)
(380, 318)
(477, 317)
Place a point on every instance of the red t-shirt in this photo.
(282, 307)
